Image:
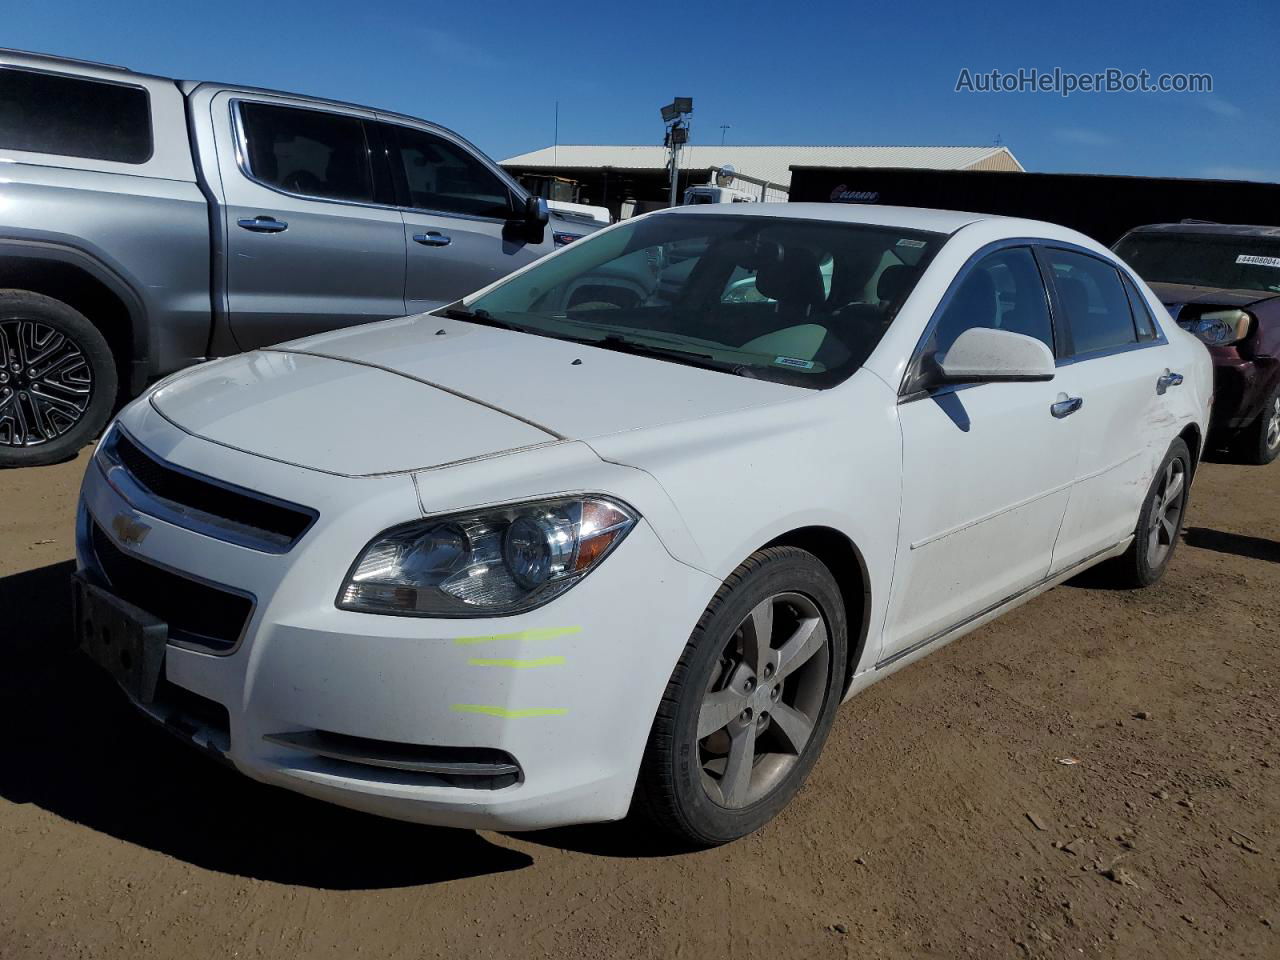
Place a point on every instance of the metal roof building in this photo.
(610, 173)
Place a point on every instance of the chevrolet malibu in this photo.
(625, 528)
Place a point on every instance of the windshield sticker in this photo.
(908, 242)
(793, 362)
(1258, 261)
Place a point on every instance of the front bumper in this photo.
(568, 691)
(1241, 385)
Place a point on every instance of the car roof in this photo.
(1220, 229)
(909, 218)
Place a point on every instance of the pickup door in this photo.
(461, 222)
(312, 238)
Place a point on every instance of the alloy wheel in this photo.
(1166, 516)
(46, 383)
(763, 701)
(1273, 424)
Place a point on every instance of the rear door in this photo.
(1121, 367)
(987, 468)
(463, 224)
(313, 239)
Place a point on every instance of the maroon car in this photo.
(1222, 282)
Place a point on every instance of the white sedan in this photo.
(625, 528)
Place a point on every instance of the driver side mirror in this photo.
(532, 228)
(988, 355)
(536, 211)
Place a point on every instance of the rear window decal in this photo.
(1254, 261)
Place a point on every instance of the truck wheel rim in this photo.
(1273, 425)
(45, 383)
(763, 701)
(1171, 494)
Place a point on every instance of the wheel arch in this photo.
(88, 286)
(1192, 436)
(842, 557)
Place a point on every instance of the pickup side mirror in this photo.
(530, 224)
(985, 355)
(536, 211)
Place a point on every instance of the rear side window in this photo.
(308, 152)
(74, 117)
(1093, 300)
(1142, 319)
(440, 175)
(1003, 291)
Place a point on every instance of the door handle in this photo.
(1169, 379)
(432, 239)
(1065, 408)
(263, 224)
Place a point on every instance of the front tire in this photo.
(57, 380)
(1159, 523)
(1260, 441)
(750, 703)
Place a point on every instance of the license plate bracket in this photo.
(125, 640)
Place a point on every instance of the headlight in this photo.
(1219, 328)
(486, 563)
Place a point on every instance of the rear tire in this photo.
(1159, 523)
(742, 721)
(1259, 443)
(58, 380)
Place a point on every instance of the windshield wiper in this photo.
(482, 317)
(619, 344)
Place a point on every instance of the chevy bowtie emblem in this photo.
(129, 529)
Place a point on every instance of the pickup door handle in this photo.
(1169, 379)
(1065, 408)
(432, 239)
(263, 224)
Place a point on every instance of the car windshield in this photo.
(1226, 261)
(802, 302)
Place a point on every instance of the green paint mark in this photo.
(538, 633)
(508, 714)
(518, 664)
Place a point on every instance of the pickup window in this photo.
(74, 117)
(309, 152)
(441, 176)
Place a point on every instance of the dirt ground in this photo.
(941, 821)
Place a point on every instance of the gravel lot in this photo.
(939, 823)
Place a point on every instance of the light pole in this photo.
(676, 117)
(723, 128)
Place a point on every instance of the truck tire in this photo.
(58, 380)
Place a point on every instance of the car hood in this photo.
(423, 391)
(1175, 296)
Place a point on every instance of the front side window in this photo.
(440, 175)
(793, 301)
(1094, 301)
(1224, 261)
(1002, 291)
(74, 117)
(308, 152)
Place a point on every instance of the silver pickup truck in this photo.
(149, 223)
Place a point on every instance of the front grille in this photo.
(282, 522)
(197, 613)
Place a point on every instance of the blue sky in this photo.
(818, 72)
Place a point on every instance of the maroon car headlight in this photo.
(1221, 328)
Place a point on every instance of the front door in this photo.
(987, 468)
(308, 247)
(461, 223)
